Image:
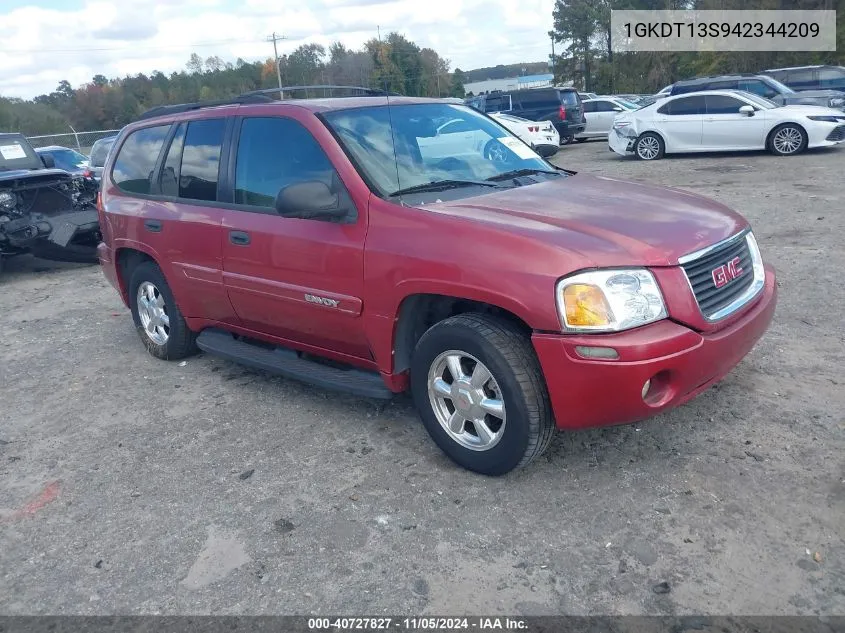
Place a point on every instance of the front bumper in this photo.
(680, 362)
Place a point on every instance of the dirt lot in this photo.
(126, 487)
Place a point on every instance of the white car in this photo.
(724, 120)
(541, 135)
(599, 114)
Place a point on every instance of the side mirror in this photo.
(312, 199)
(48, 161)
(747, 110)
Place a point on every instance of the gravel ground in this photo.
(131, 485)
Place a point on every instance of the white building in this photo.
(511, 83)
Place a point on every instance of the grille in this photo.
(700, 274)
(838, 134)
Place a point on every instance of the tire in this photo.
(167, 342)
(649, 146)
(516, 383)
(787, 139)
(566, 140)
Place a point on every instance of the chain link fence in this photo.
(80, 141)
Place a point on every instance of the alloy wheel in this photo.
(787, 140)
(648, 148)
(152, 312)
(466, 400)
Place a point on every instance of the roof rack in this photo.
(258, 96)
(719, 76)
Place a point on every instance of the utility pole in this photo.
(554, 61)
(273, 38)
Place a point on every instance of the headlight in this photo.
(836, 102)
(826, 119)
(609, 300)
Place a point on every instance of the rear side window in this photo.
(832, 78)
(499, 103)
(589, 106)
(758, 87)
(537, 98)
(134, 165)
(274, 153)
(604, 106)
(801, 76)
(201, 159)
(170, 172)
(569, 97)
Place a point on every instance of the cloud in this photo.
(76, 41)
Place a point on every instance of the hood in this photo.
(811, 96)
(608, 222)
(808, 110)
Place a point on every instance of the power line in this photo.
(124, 48)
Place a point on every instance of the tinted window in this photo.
(201, 159)
(499, 103)
(687, 105)
(604, 106)
(719, 104)
(537, 98)
(679, 89)
(832, 78)
(133, 168)
(170, 172)
(569, 97)
(589, 106)
(758, 87)
(722, 85)
(801, 76)
(274, 153)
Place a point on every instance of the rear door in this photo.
(175, 168)
(725, 127)
(600, 121)
(680, 121)
(292, 278)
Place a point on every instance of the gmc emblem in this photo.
(726, 273)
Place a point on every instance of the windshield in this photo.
(782, 88)
(628, 105)
(760, 101)
(68, 159)
(17, 153)
(408, 146)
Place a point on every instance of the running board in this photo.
(288, 363)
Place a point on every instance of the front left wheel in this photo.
(788, 139)
(480, 392)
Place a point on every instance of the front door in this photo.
(725, 127)
(289, 277)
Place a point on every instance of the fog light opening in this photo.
(657, 390)
(602, 353)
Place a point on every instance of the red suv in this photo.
(346, 243)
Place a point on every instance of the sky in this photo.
(43, 42)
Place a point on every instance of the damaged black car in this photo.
(44, 211)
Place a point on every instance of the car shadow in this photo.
(23, 265)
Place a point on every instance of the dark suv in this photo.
(810, 77)
(763, 86)
(561, 106)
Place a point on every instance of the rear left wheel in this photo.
(481, 395)
(159, 322)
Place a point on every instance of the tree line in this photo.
(587, 59)
(392, 63)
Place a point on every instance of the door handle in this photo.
(154, 226)
(239, 238)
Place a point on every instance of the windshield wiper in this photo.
(442, 185)
(516, 173)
